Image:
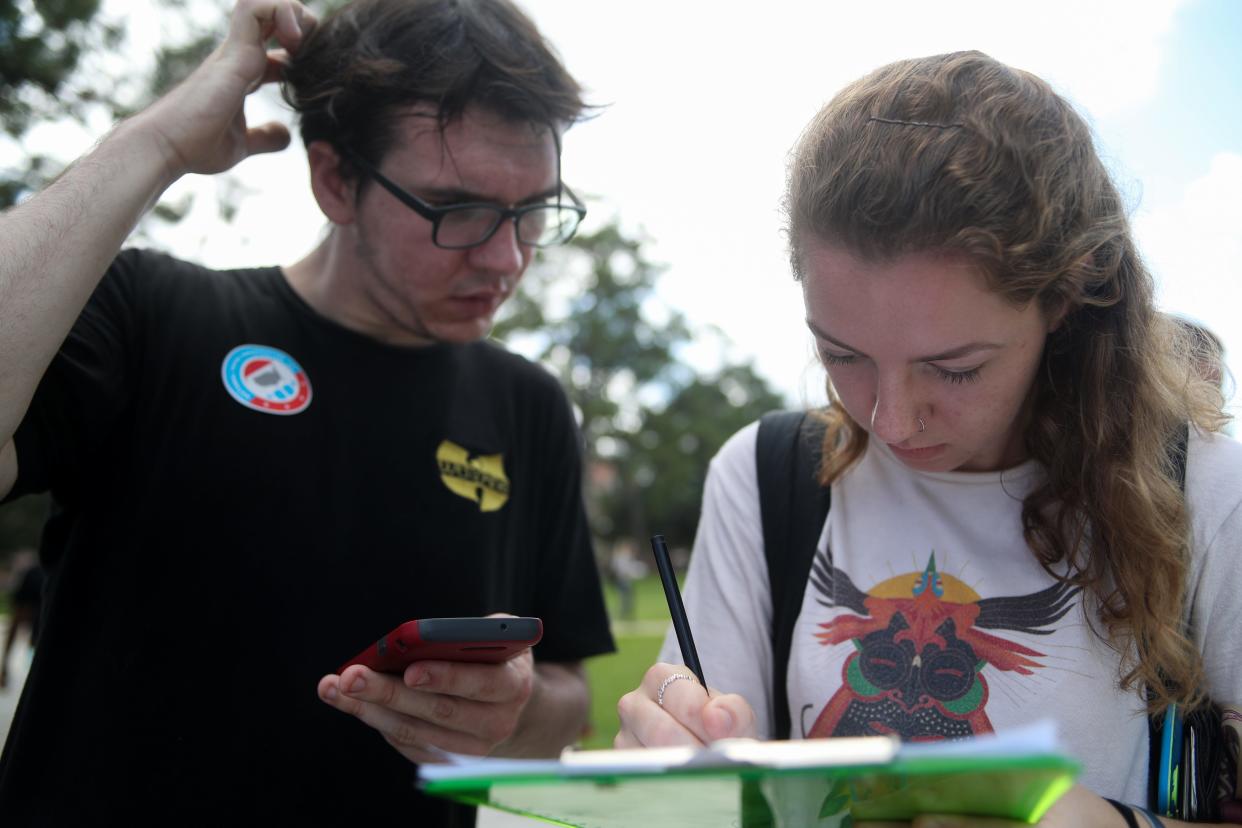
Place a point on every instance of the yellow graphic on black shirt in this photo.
(481, 479)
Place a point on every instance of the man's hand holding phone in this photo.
(436, 705)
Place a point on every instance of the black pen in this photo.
(681, 624)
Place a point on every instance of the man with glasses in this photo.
(469, 224)
(262, 471)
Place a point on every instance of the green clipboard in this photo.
(760, 786)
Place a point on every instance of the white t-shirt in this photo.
(933, 618)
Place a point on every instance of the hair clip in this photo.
(914, 123)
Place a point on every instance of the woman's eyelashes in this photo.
(967, 375)
(836, 359)
(951, 376)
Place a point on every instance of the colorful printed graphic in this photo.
(480, 479)
(921, 650)
(266, 379)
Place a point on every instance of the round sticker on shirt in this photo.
(266, 379)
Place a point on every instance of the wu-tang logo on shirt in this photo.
(481, 479)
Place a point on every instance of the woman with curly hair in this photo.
(1009, 537)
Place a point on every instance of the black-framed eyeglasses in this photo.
(459, 226)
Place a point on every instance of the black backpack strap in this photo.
(793, 507)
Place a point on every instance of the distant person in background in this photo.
(25, 601)
(626, 569)
(1009, 535)
(1206, 349)
(264, 470)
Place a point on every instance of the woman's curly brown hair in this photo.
(961, 153)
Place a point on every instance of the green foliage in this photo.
(39, 54)
(650, 421)
(601, 338)
(679, 441)
(59, 64)
(39, 51)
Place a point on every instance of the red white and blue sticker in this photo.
(266, 379)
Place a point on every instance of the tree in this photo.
(586, 303)
(63, 62)
(40, 83)
(679, 441)
(589, 311)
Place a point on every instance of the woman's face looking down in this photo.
(924, 355)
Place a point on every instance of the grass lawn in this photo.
(612, 676)
(638, 642)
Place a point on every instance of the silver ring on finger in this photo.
(664, 685)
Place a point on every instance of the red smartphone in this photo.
(487, 640)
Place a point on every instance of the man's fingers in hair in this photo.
(254, 22)
(293, 23)
(270, 137)
(277, 60)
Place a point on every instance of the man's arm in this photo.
(55, 247)
(556, 714)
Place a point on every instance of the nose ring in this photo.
(922, 425)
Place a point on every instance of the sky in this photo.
(701, 103)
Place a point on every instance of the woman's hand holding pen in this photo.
(673, 706)
(688, 715)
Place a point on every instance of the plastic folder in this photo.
(779, 784)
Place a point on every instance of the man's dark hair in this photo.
(370, 60)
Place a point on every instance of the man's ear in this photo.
(333, 191)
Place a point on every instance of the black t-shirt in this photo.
(251, 495)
